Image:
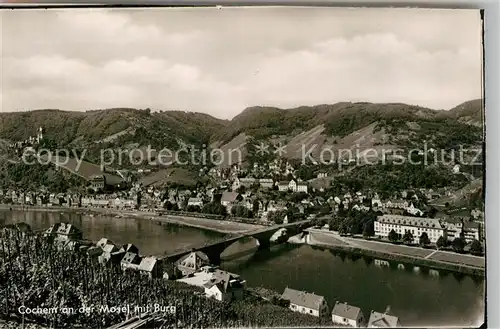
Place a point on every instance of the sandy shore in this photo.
(221, 226)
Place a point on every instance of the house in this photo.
(347, 315)
(477, 214)
(97, 182)
(283, 186)
(130, 261)
(103, 242)
(383, 320)
(398, 204)
(150, 267)
(415, 225)
(414, 211)
(236, 184)
(171, 272)
(192, 262)
(94, 252)
(64, 232)
(195, 202)
(224, 286)
(111, 255)
(248, 181)
(266, 183)
(301, 187)
(305, 302)
(454, 227)
(471, 231)
(322, 174)
(228, 198)
(130, 248)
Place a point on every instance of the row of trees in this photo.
(457, 244)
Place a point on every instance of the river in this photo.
(418, 298)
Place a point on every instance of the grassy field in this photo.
(179, 176)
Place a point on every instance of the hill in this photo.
(339, 119)
(113, 126)
(355, 126)
(471, 112)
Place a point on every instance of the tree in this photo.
(441, 242)
(476, 247)
(342, 227)
(393, 236)
(408, 237)
(458, 244)
(298, 197)
(241, 211)
(368, 229)
(171, 206)
(193, 208)
(276, 216)
(214, 208)
(424, 239)
(241, 190)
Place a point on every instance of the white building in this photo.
(383, 320)
(292, 186)
(454, 227)
(195, 202)
(266, 182)
(304, 302)
(414, 211)
(471, 231)
(347, 315)
(224, 286)
(416, 225)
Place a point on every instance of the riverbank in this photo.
(465, 264)
(215, 225)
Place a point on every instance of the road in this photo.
(331, 238)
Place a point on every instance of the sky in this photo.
(220, 61)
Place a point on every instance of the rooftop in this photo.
(410, 221)
(346, 311)
(382, 320)
(302, 298)
(147, 264)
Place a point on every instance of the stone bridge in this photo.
(215, 249)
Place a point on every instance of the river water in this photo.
(418, 298)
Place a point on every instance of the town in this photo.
(266, 195)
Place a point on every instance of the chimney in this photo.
(387, 309)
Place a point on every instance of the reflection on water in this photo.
(420, 297)
(150, 238)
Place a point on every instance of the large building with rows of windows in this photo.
(416, 225)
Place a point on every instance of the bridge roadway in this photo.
(214, 250)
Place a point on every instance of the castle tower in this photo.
(39, 135)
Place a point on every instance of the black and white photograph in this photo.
(242, 167)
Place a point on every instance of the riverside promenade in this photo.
(431, 257)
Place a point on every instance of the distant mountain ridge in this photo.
(101, 125)
(339, 119)
(341, 123)
(362, 126)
